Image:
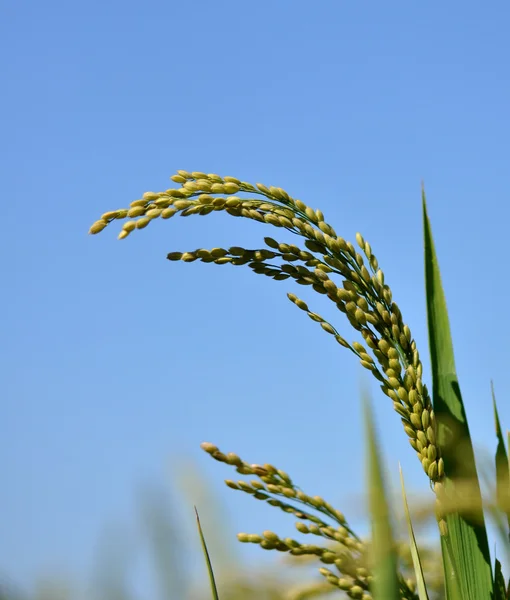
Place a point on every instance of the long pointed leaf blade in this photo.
(214, 590)
(467, 538)
(500, 592)
(385, 584)
(415, 554)
(502, 467)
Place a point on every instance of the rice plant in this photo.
(435, 423)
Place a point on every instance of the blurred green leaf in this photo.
(418, 571)
(114, 565)
(500, 592)
(385, 584)
(166, 546)
(502, 466)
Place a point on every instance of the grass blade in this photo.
(418, 571)
(500, 592)
(467, 536)
(385, 585)
(502, 467)
(207, 559)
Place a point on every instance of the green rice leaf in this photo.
(418, 571)
(385, 585)
(207, 560)
(465, 546)
(500, 592)
(502, 467)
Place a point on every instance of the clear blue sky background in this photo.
(116, 361)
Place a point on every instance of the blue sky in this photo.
(117, 362)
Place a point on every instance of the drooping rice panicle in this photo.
(339, 548)
(331, 265)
